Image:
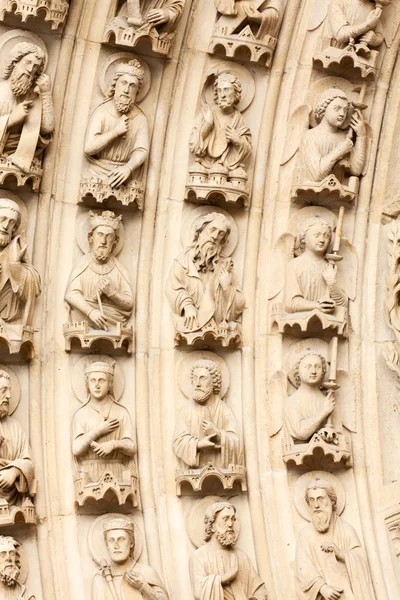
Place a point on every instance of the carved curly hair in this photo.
(10, 540)
(210, 516)
(316, 220)
(214, 371)
(321, 484)
(234, 81)
(325, 99)
(18, 52)
(297, 367)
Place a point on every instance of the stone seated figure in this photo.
(250, 24)
(310, 434)
(26, 114)
(10, 571)
(153, 20)
(117, 142)
(103, 442)
(99, 295)
(204, 295)
(221, 144)
(207, 439)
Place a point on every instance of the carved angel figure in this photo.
(263, 16)
(10, 569)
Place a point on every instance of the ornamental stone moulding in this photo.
(393, 526)
(332, 139)
(13, 570)
(220, 141)
(117, 137)
(207, 440)
(202, 287)
(136, 23)
(247, 30)
(320, 274)
(26, 108)
(99, 296)
(353, 33)
(391, 350)
(52, 11)
(103, 437)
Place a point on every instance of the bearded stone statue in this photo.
(10, 568)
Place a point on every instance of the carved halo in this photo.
(82, 230)
(15, 389)
(24, 213)
(185, 369)
(17, 36)
(239, 71)
(299, 220)
(320, 86)
(193, 217)
(109, 67)
(300, 489)
(78, 376)
(309, 346)
(96, 543)
(195, 519)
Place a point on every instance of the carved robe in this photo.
(186, 285)
(188, 431)
(215, 147)
(243, 10)
(207, 566)
(173, 7)
(103, 120)
(101, 588)
(15, 452)
(81, 294)
(19, 285)
(343, 14)
(300, 413)
(14, 593)
(314, 567)
(25, 140)
(87, 418)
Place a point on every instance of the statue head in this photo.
(210, 235)
(333, 105)
(119, 536)
(5, 393)
(316, 235)
(103, 234)
(321, 497)
(310, 369)
(99, 379)
(227, 91)
(126, 85)
(219, 521)
(206, 377)
(10, 220)
(25, 64)
(10, 560)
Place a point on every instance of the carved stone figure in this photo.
(152, 20)
(10, 569)
(103, 441)
(99, 294)
(207, 439)
(391, 351)
(221, 144)
(117, 141)
(217, 569)
(251, 24)
(122, 577)
(330, 562)
(204, 295)
(26, 114)
(55, 11)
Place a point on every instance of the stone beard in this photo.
(26, 106)
(10, 568)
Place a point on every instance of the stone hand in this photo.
(207, 114)
(102, 448)
(43, 84)
(329, 273)
(20, 113)
(373, 17)
(331, 547)
(344, 148)
(98, 319)
(157, 16)
(105, 287)
(121, 127)
(329, 403)
(8, 477)
(326, 305)
(225, 278)
(232, 135)
(367, 38)
(209, 428)
(119, 176)
(329, 592)
(205, 442)
(191, 321)
(108, 426)
(357, 124)
(232, 572)
(136, 580)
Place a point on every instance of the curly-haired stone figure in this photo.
(10, 568)
(206, 429)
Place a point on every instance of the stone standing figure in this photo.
(201, 284)
(99, 290)
(220, 139)
(16, 465)
(123, 578)
(103, 438)
(117, 137)
(10, 568)
(218, 570)
(26, 107)
(161, 14)
(330, 562)
(356, 22)
(206, 430)
(310, 280)
(264, 16)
